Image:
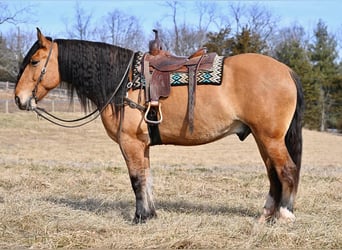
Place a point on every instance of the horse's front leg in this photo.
(136, 154)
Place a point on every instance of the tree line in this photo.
(312, 54)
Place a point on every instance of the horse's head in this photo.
(38, 73)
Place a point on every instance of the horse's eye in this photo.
(34, 63)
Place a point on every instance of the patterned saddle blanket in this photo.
(207, 77)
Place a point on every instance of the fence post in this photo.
(6, 106)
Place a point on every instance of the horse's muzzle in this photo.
(28, 105)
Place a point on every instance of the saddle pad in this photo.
(210, 77)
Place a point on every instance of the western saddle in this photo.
(158, 64)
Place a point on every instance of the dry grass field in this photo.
(70, 188)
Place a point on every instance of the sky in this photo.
(52, 16)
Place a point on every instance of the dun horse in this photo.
(257, 95)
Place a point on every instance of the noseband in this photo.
(42, 73)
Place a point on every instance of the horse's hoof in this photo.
(262, 219)
(285, 216)
(267, 216)
(140, 219)
(282, 216)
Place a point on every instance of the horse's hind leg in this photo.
(283, 176)
(136, 155)
(274, 195)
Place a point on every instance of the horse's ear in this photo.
(43, 42)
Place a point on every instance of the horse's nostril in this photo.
(17, 101)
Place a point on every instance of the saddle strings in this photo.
(41, 112)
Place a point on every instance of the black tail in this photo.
(293, 139)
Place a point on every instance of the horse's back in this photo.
(256, 69)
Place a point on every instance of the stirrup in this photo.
(148, 110)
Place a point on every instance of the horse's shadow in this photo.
(186, 207)
(96, 206)
(125, 208)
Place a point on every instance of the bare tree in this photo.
(122, 30)
(238, 12)
(80, 29)
(14, 15)
(185, 37)
(173, 5)
(20, 41)
(12, 44)
(190, 40)
(261, 21)
(256, 18)
(207, 14)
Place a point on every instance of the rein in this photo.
(59, 121)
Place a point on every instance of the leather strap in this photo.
(192, 91)
(191, 96)
(153, 129)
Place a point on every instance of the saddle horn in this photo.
(155, 45)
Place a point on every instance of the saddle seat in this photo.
(165, 62)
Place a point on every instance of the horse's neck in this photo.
(94, 70)
(84, 89)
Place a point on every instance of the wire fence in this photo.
(56, 101)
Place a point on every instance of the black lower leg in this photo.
(290, 182)
(275, 186)
(144, 209)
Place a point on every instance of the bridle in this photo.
(42, 73)
(41, 112)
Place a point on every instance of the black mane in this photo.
(93, 70)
